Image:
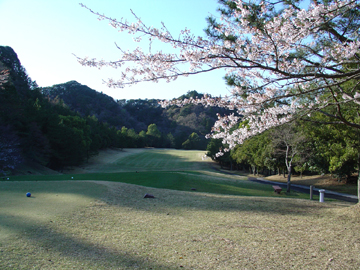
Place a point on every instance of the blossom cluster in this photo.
(296, 54)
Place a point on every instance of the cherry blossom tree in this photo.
(284, 60)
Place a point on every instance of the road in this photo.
(306, 189)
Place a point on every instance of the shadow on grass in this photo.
(30, 237)
(132, 196)
(23, 252)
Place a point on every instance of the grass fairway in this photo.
(145, 159)
(163, 168)
(101, 220)
(201, 181)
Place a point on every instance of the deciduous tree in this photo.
(153, 135)
(290, 143)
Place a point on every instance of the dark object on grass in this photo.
(147, 195)
(277, 189)
(193, 189)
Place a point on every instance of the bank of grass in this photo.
(200, 181)
(167, 160)
(109, 225)
(162, 168)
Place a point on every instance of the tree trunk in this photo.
(288, 180)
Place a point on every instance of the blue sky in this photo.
(46, 33)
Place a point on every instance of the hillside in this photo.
(137, 114)
(89, 102)
(65, 124)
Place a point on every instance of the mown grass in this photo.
(184, 180)
(164, 168)
(149, 159)
(163, 159)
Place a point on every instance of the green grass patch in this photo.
(184, 180)
(157, 160)
(165, 168)
(48, 200)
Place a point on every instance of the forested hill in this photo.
(64, 124)
(88, 102)
(137, 114)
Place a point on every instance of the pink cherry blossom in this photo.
(262, 60)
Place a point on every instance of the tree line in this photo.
(300, 147)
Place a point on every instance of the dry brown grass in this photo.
(190, 230)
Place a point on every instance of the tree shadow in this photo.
(79, 248)
(51, 241)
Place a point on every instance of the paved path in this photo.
(306, 189)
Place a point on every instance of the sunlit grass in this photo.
(154, 160)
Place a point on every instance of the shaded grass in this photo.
(48, 200)
(189, 230)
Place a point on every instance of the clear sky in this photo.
(46, 33)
